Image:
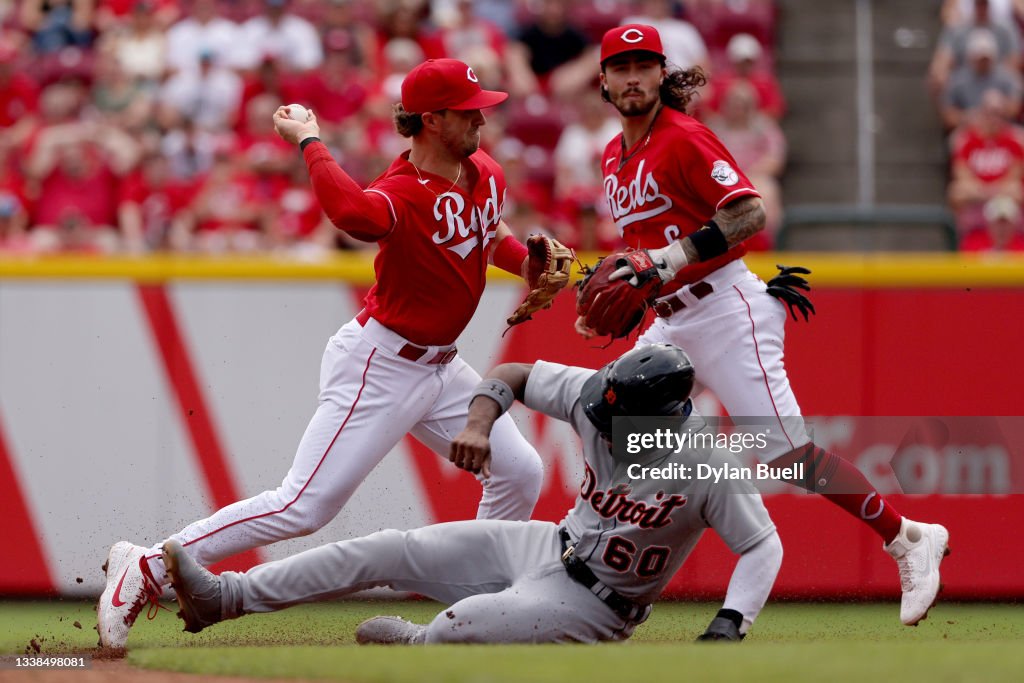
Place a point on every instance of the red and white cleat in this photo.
(130, 585)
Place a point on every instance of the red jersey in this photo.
(988, 158)
(671, 183)
(432, 265)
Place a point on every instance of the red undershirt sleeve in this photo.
(367, 216)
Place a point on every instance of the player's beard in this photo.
(634, 106)
(462, 147)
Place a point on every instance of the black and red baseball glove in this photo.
(616, 307)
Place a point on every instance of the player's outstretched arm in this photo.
(503, 385)
(367, 216)
(749, 587)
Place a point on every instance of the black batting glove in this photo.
(724, 627)
(785, 286)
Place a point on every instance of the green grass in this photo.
(791, 642)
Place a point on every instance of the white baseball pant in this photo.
(369, 399)
(735, 338)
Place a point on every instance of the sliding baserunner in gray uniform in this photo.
(591, 578)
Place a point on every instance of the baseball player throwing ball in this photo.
(591, 578)
(394, 369)
(682, 204)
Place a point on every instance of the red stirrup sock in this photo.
(844, 485)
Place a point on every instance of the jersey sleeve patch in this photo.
(724, 174)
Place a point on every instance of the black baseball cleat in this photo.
(197, 589)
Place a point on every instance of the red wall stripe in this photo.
(220, 481)
(29, 574)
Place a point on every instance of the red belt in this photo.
(666, 307)
(415, 353)
(411, 351)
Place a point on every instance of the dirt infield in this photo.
(120, 671)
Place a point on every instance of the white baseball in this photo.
(297, 112)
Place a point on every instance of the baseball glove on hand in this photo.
(614, 306)
(784, 287)
(548, 265)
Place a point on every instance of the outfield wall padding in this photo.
(138, 395)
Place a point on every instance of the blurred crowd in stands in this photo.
(975, 77)
(143, 125)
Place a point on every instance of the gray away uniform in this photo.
(505, 580)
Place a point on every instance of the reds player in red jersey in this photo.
(436, 216)
(675, 191)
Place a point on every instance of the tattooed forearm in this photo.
(737, 220)
(741, 219)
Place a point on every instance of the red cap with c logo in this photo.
(630, 38)
(446, 84)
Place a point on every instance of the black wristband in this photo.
(732, 615)
(307, 141)
(709, 241)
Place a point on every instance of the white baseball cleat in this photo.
(130, 585)
(390, 631)
(918, 549)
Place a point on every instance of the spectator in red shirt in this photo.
(988, 162)
(228, 214)
(78, 167)
(338, 90)
(153, 206)
(746, 63)
(271, 78)
(1002, 231)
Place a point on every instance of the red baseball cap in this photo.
(446, 84)
(631, 38)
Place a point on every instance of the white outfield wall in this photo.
(96, 439)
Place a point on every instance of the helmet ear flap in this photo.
(594, 402)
